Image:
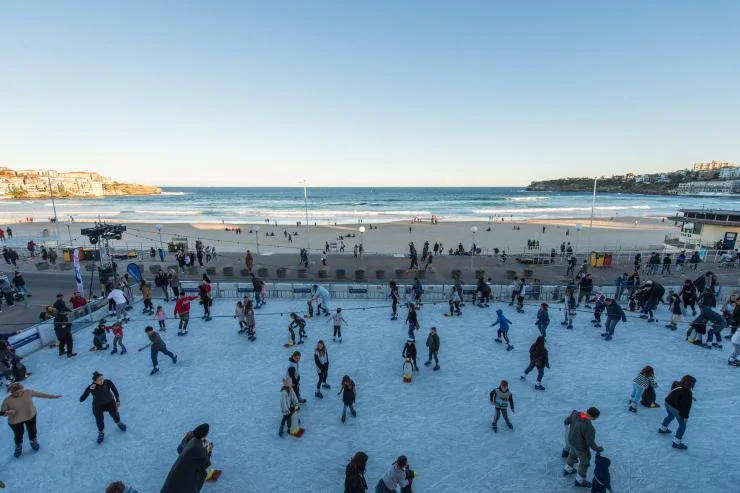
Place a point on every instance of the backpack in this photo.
(648, 397)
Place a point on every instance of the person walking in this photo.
(581, 440)
(105, 400)
(157, 346)
(678, 406)
(249, 260)
(538, 358)
(21, 413)
(433, 345)
(189, 472)
(354, 474)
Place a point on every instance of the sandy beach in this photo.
(387, 238)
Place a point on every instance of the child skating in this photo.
(676, 309)
(100, 340)
(394, 300)
(543, 320)
(599, 307)
(157, 346)
(241, 317)
(519, 303)
(117, 330)
(454, 301)
(570, 309)
(338, 321)
(348, 393)
(501, 398)
(503, 329)
(161, 316)
(288, 405)
(433, 345)
(643, 380)
(251, 325)
(409, 352)
(296, 321)
(321, 360)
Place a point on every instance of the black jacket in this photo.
(587, 284)
(60, 306)
(615, 312)
(321, 367)
(538, 356)
(62, 326)
(102, 394)
(189, 471)
(354, 480)
(680, 399)
(348, 394)
(601, 471)
(409, 351)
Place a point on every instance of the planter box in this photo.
(66, 266)
(42, 265)
(302, 273)
(262, 272)
(380, 274)
(228, 271)
(281, 272)
(341, 274)
(323, 274)
(211, 271)
(360, 275)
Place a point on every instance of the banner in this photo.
(134, 272)
(76, 255)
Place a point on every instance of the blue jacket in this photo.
(543, 318)
(601, 471)
(501, 321)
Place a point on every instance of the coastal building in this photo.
(707, 227)
(732, 173)
(713, 166)
(629, 177)
(710, 188)
(642, 179)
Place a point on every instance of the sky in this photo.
(362, 93)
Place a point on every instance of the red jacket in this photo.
(183, 305)
(117, 330)
(77, 301)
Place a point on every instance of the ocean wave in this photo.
(531, 210)
(174, 193)
(169, 213)
(528, 199)
(61, 203)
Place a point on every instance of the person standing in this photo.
(59, 305)
(338, 320)
(182, 310)
(321, 360)
(543, 320)
(354, 474)
(157, 346)
(294, 373)
(77, 300)
(409, 353)
(146, 293)
(257, 285)
(63, 331)
(585, 287)
(21, 413)
(412, 321)
(501, 398)
(204, 292)
(117, 329)
(621, 283)
(289, 405)
(249, 260)
(678, 406)
(614, 314)
(581, 439)
(433, 345)
(348, 393)
(538, 358)
(105, 400)
(190, 470)
(394, 300)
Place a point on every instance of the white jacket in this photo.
(287, 400)
(117, 296)
(736, 338)
(395, 477)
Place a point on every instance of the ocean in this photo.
(349, 205)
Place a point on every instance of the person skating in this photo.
(643, 380)
(204, 292)
(734, 358)
(251, 324)
(654, 296)
(399, 475)
(146, 293)
(674, 301)
(503, 329)
(354, 474)
(257, 285)
(678, 406)
(696, 331)
(733, 320)
(349, 394)
(321, 360)
(11, 365)
(433, 345)
(63, 331)
(454, 301)
(412, 321)
(118, 300)
(100, 340)
(190, 470)
(501, 398)
(482, 293)
(289, 405)
(599, 307)
(394, 300)
(117, 330)
(157, 346)
(570, 308)
(602, 480)
(418, 290)
(161, 317)
(296, 321)
(105, 400)
(240, 316)
(162, 282)
(538, 358)
(338, 321)
(543, 320)
(688, 296)
(614, 314)
(21, 413)
(718, 324)
(516, 289)
(409, 352)
(321, 295)
(182, 311)
(581, 439)
(294, 373)
(519, 303)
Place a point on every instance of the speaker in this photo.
(106, 275)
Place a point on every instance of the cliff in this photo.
(609, 185)
(116, 188)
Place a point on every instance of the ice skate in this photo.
(436, 367)
(663, 430)
(539, 386)
(154, 370)
(18, 451)
(122, 426)
(101, 437)
(35, 445)
(582, 483)
(319, 394)
(679, 445)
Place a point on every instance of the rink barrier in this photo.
(42, 334)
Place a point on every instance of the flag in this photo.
(76, 256)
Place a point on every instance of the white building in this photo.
(730, 173)
(720, 187)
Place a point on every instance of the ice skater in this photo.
(543, 320)
(599, 307)
(338, 321)
(240, 316)
(100, 340)
(678, 406)
(519, 303)
(161, 317)
(321, 360)
(296, 321)
(643, 380)
(288, 405)
(294, 373)
(614, 314)
(320, 295)
(146, 293)
(394, 300)
(204, 292)
(433, 345)
(501, 398)
(569, 310)
(157, 346)
(105, 400)
(503, 329)
(21, 413)
(418, 290)
(182, 310)
(454, 301)
(117, 330)
(581, 440)
(251, 324)
(409, 352)
(412, 321)
(399, 475)
(348, 393)
(674, 301)
(538, 358)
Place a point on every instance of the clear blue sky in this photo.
(368, 93)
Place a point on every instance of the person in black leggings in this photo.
(105, 399)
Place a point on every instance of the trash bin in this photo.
(593, 259)
(608, 259)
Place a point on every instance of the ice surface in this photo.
(441, 421)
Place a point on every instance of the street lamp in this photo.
(161, 244)
(473, 230)
(257, 237)
(69, 232)
(578, 235)
(362, 246)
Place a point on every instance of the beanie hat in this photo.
(544, 305)
(96, 375)
(593, 412)
(201, 431)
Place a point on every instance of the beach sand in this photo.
(386, 238)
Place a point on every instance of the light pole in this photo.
(69, 232)
(578, 235)
(257, 237)
(54, 207)
(362, 246)
(473, 230)
(161, 244)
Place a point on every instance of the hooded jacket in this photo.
(581, 434)
(501, 321)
